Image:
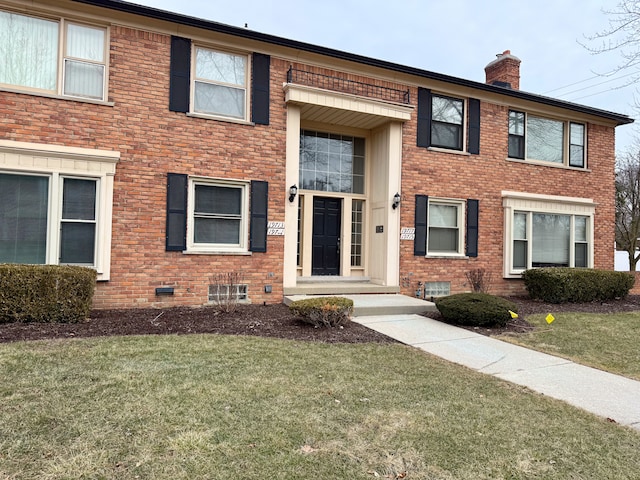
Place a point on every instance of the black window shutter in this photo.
(472, 227)
(258, 222)
(474, 126)
(176, 237)
(424, 117)
(420, 241)
(260, 89)
(179, 77)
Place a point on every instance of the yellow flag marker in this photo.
(550, 318)
(513, 314)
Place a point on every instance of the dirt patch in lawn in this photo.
(260, 320)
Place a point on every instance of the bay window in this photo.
(29, 221)
(31, 58)
(547, 231)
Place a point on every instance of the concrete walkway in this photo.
(604, 394)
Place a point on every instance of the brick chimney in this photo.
(504, 71)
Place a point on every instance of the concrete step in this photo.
(378, 304)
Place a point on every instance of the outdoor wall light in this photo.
(396, 201)
(293, 191)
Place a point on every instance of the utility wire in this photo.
(597, 84)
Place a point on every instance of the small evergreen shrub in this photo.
(323, 311)
(562, 285)
(475, 309)
(45, 293)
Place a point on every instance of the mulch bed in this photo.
(260, 320)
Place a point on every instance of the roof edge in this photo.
(187, 20)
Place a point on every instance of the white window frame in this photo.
(566, 140)
(56, 163)
(62, 60)
(195, 79)
(463, 125)
(461, 225)
(242, 246)
(518, 202)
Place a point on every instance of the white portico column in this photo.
(291, 208)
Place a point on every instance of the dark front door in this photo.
(327, 213)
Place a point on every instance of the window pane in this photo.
(331, 163)
(220, 67)
(83, 79)
(516, 123)
(79, 199)
(520, 254)
(28, 51)
(576, 158)
(581, 255)
(544, 139)
(85, 42)
(443, 215)
(443, 240)
(356, 232)
(577, 134)
(217, 230)
(77, 243)
(447, 110)
(446, 135)
(581, 229)
(520, 226)
(23, 218)
(551, 236)
(218, 200)
(516, 146)
(219, 100)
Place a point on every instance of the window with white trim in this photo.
(35, 208)
(547, 232)
(217, 216)
(31, 57)
(543, 139)
(447, 122)
(445, 227)
(220, 83)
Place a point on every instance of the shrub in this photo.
(45, 293)
(476, 309)
(323, 311)
(561, 285)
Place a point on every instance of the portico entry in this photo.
(327, 215)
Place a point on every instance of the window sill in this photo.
(449, 150)
(453, 256)
(217, 252)
(57, 97)
(219, 118)
(547, 164)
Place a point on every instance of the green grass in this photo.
(219, 407)
(608, 342)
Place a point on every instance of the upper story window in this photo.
(220, 83)
(547, 140)
(447, 121)
(31, 57)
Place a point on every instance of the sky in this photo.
(455, 37)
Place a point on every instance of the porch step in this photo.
(377, 304)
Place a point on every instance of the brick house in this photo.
(163, 149)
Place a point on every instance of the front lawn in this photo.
(606, 341)
(232, 407)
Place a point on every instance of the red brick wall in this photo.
(154, 141)
(484, 177)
